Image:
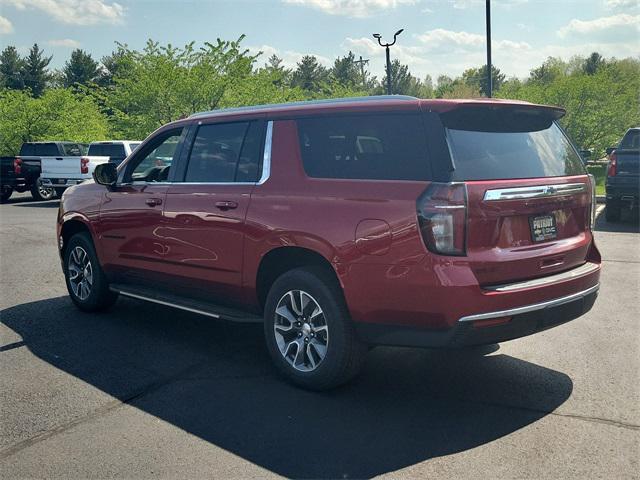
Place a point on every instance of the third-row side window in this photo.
(373, 147)
(225, 152)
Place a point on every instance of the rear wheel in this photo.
(612, 214)
(86, 282)
(40, 192)
(5, 194)
(308, 330)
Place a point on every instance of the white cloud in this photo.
(5, 26)
(464, 4)
(289, 57)
(351, 8)
(74, 12)
(621, 4)
(600, 24)
(64, 42)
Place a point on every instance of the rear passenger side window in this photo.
(225, 153)
(372, 147)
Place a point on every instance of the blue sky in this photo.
(440, 37)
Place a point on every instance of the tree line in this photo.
(130, 93)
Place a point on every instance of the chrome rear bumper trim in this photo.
(537, 191)
(585, 269)
(530, 308)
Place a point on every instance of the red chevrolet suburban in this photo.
(343, 224)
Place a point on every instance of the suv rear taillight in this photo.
(592, 219)
(17, 165)
(442, 217)
(613, 165)
(84, 165)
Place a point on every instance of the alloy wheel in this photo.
(80, 273)
(301, 330)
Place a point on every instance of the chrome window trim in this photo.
(537, 191)
(583, 269)
(531, 308)
(266, 158)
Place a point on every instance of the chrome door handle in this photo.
(226, 205)
(152, 202)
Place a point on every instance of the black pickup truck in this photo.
(22, 173)
(623, 175)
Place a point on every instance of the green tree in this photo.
(113, 65)
(310, 75)
(59, 114)
(80, 69)
(34, 71)
(346, 72)
(280, 75)
(593, 63)
(477, 78)
(11, 69)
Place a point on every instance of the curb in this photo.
(600, 199)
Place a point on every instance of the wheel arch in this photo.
(70, 225)
(285, 258)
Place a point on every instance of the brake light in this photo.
(17, 165)
(592, 219)
(442, 217)
(84, 165)
(613, 165)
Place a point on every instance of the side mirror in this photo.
(610, 150)
(106, 174)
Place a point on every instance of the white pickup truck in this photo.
(63, 172)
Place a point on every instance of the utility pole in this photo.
(489, 76)
(362, 62)
(386, 46)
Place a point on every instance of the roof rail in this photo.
(328, 101)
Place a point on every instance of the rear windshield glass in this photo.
(72, 149)
(631, 140)
(107, 150)
(39, 150)
(496, 155)
(372, 147)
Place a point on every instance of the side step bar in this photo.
(189, 305)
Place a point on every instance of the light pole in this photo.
(386, 46)
(489, 76)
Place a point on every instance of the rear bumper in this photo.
(61, 182)
(523, 320)
(623, 191)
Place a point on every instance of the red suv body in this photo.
(383, 220)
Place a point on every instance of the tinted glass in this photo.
(154, 162)
(491, 155)
(215, 152)
(631, 140)
(250, 162)
(39, 150)
(375, 147)
(107, 150)
(72, 149)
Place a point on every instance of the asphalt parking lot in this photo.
(145, 391)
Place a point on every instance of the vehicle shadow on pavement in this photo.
(629, 222)
(214, 380)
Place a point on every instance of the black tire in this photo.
(5, 193)
(344, 352)
(40, 193)
(99, 296)
(612, 214)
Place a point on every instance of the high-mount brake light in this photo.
(442, 217)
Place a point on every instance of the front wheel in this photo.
(40, 192)
(308, 330)
(86, 282)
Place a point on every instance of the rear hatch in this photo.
(529, 199)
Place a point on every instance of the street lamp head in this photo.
(377, 35)
(398, 32)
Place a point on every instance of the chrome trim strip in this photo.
(537, 191)
(266, 160)
(161, 302)
(530, 308)
(584, 269)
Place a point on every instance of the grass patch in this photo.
(600, 172)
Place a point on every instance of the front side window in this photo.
(225, 153)
(154, 162)
(371, 147)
